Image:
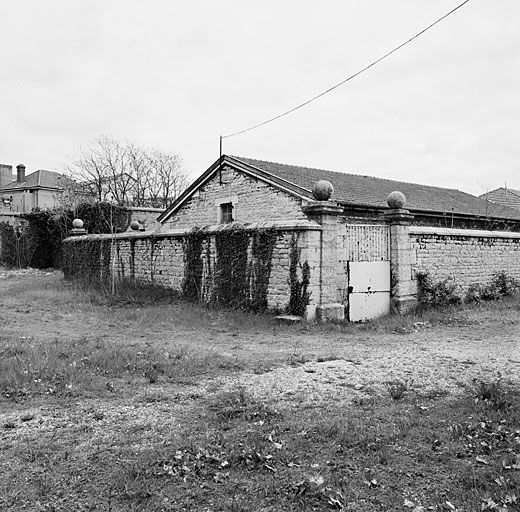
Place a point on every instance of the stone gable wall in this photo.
(254, 201)
(466, 256)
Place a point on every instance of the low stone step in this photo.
(288, 319)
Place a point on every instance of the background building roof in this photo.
(39, 179)
(505, 196)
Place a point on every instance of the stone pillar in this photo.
(403, 294)
(326, 213)
(309, 242)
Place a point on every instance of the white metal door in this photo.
(368, 290)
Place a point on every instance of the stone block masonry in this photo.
(159, 258)
(466, 256)
(148, 259)
(322, 239)
(252, 199)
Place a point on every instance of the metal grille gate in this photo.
(367, 254)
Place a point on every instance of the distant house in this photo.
(504, 196)
(40, 189)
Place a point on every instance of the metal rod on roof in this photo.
(220, 162)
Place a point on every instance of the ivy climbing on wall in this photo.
(299, 296)
(191, 285)
(261, 262)
(241, 270)
(88, 261)
(231, 268)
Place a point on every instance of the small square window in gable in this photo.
(226, 213)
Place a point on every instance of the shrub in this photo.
(237, 403)
(490, 292)
(474, 293)
(500, 286)
(37, 241)
(505, 284)
(440, 293)
(17, 245)
(103, 217)
(398, 388)
(492, 393)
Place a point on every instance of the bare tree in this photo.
(128, 174)
(162, 178)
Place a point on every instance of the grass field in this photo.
(119, 404)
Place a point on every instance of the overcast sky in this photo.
(176, 74)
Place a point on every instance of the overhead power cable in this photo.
(330, 89)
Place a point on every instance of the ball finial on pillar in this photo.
(322, 190)
(77, 228)
(396, 200)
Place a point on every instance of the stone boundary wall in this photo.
(466, 256)
(158, 257)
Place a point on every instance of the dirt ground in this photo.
(478, 342)
(289, 366)
(278, 363)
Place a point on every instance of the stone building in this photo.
(248, 190)
(355, 244)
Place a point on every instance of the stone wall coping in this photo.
(471, 233)
(279, 225)
(127, 235)
(145, 209)
(323, 207)
(10, 214)
(397, 216)
(293, 225)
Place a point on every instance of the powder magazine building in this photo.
(321, 244)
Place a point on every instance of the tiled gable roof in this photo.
(39, 179)
(505, 196)
(361, 190)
